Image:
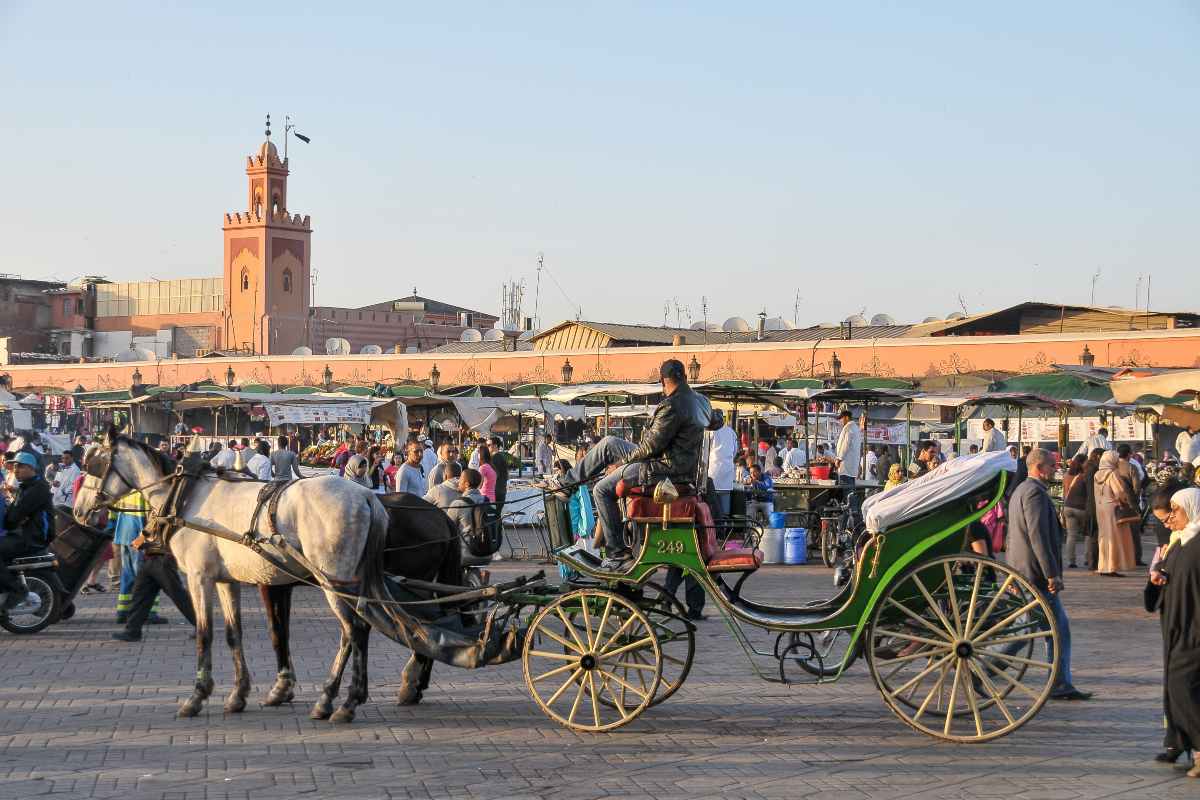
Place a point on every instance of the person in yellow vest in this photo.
(131, 519)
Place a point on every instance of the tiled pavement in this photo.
(84, 716)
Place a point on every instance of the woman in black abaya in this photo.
(1178, 573)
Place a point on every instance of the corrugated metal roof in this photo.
(624, 335)
(479, 347)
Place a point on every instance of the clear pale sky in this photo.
(891, 156)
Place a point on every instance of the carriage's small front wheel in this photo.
(592, 660)
(963, 648)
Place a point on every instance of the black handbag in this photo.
(1152, 597)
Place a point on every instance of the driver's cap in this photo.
(28, 459)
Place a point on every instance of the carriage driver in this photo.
(28, 523)
(670, 448)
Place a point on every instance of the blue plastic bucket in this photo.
(795, 546)
(778, 519)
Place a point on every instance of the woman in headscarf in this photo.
(1178, 573)
(356, 470)
(895, 477)
(1114, 500)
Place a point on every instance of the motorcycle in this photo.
(44, 595)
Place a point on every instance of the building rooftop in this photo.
(432, 306)
(481, 347)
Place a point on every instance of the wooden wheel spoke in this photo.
(911, 656)
(555, 671)
(629, 621)
(953, 698)
(1024, 637)
(1000, 673)
(933, 606)
(970, 623)
(914, 615)
(550, 701)
(944, 659)
(647, 641)
(595, 696)
(969, 692)
(575, 705)
(1004, 622)
(619, 702)
(627, 687)
(995, 599)
(936, 691)
(993, 692)
(1018, 659)
(555, 656)
(673, 659)
(950, 591)
(560, 640)
(558, 610)
(587, 626)
(603, 620)
(911, 638)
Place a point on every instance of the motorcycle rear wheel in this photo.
(31, 622)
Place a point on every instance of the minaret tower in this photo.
(267, 262)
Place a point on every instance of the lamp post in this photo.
(435, 377)
(567, 371)
(328, 376)
(693, 369)
(229, 377)
(835, 366)
(136, 378)
(1087, 358)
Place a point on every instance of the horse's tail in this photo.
(371, 567)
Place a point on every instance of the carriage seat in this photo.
(640, 505)
(715, 558)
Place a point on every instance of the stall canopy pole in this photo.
(606, 401)
(907, 436)
(958, 430)
(1020, 413)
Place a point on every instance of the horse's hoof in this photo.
(320, 711)
(408, 698)
(235, 705)
(189, 708)
(343, 715)
(276, 698)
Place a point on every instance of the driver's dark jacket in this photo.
(671, 444)
(31, 514)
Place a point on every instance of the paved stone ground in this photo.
(82, 716)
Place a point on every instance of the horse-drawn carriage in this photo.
(960, 646)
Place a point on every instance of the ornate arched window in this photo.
(287, 280)
(245, 280)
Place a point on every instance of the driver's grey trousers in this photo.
(609, 450)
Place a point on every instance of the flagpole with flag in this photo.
(290, 128)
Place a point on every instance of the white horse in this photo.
(338, 526)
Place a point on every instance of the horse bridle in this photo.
(101, 465)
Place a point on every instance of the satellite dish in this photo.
(135, 354)
(882, 319)
(412, 348)
(826, 325)
(371, 350)
(494, 335)
(931, 319)
(698, 326)
(956, 315)
(302, 351)
(713, 328)
(470, 335)
(736, 325)
(857, 319)
(775, 324)
(526, 336)
(337, 347)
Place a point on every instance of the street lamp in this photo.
(328, 376)
(136, 377)
(693, 370)
(229, 376)
(1087, 358)
(567, 371)
(435, 377)
(835, 365)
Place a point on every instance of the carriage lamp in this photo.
(328, 376)
(435, 377)
(567, 371)
(136, 377)
(229, 377)
(836, 366)
(693, 370)
(1087, 358)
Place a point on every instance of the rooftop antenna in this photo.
(704, 307)
(963, 305)
(537, 292)
(666, 311)
(796, 310)
(1137, 293)
(1095, 278)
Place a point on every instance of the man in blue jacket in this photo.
(27, 523)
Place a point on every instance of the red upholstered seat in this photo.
(628, 489)
(721, 560)
(642, 508)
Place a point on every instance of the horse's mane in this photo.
(165, 463)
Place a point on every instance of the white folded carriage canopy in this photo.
(950, 481)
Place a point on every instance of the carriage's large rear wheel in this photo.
(592, 660)
(962, 648)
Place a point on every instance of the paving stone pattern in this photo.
(82, 716)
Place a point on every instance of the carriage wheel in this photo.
(594, 677)
(962, 648)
